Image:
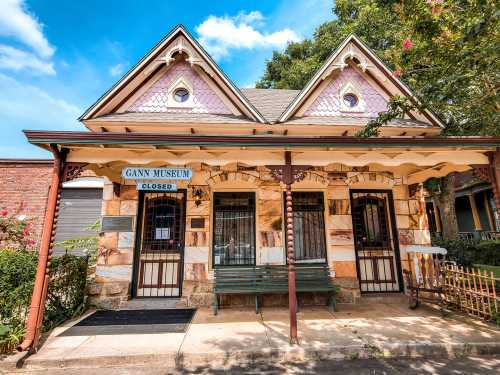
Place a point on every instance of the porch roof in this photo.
(45, 138)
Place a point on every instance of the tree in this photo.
(446, 51)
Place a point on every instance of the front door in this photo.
(159, 260)
(375, 239)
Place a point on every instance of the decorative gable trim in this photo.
(368, 63)
(178, 40)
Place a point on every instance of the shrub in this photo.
(17, 275)
(488, 252)
(467, 253)
(65, 297)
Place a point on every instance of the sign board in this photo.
(117, 224)
(156, 186)
(138, 173)
(197, 222)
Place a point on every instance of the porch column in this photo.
(288, 174)
(437, 216)
(38, 297)
(495, 176)
(475, 212)
(489, 212)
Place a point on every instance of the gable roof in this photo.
(328, 67)
(154, 53)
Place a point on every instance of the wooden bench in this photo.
(260, 280)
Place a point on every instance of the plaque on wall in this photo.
(197, 222)
(117, 224)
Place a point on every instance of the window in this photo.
(350, 100)
(308, 227)
(234, 229)
(181, 95)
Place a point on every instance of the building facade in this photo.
(196, 172)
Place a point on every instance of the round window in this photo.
(350, 100)
(181, 95)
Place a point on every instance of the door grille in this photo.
(162, 245)
(376, 251)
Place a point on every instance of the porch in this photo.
(352, 204)
(239, 336)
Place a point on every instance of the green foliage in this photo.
(66, 294)
(467, 253)
(88, 245)
(10, 337)
(65, 297)
(17, 274)
(447, 51)
(397, 107)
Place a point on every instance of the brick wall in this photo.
(24, 186)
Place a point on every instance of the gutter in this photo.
(43, 138)
(37, 309)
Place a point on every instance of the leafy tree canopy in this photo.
(447, 51)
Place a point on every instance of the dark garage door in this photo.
(79, 208)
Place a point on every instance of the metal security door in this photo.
(377, 251)
(161, 245)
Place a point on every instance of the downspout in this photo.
(37, 309)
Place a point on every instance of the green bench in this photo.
(260, 280)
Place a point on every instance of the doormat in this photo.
(110, 322)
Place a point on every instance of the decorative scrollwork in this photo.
(482, 172)
(72, 171)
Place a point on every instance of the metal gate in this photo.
(377, 251)
(159, 263)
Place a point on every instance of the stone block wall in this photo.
(116, 254)
(114, 270)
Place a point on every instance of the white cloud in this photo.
(26, 106)
(117, 69)
(15, 59)
(221, 34)
(17, 22)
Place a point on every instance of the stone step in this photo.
(151, 304)
(384, 298)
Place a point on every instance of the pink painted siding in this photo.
(328, 102)
(156, 98)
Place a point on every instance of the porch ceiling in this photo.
(417, 158)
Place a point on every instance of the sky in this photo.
(58, 57)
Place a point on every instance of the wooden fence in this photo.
(472, 291)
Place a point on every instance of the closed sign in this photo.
(156, 186)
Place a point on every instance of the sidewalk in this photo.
(241, 336)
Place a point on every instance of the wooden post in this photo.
(288, 174)
(494, 159)
(292, 291)
(437, 216)
(475, 213)
(44, 256)
(489, 212)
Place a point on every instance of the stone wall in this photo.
(114, 271)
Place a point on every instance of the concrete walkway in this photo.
(241, 336)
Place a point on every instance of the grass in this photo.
(494, 269)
